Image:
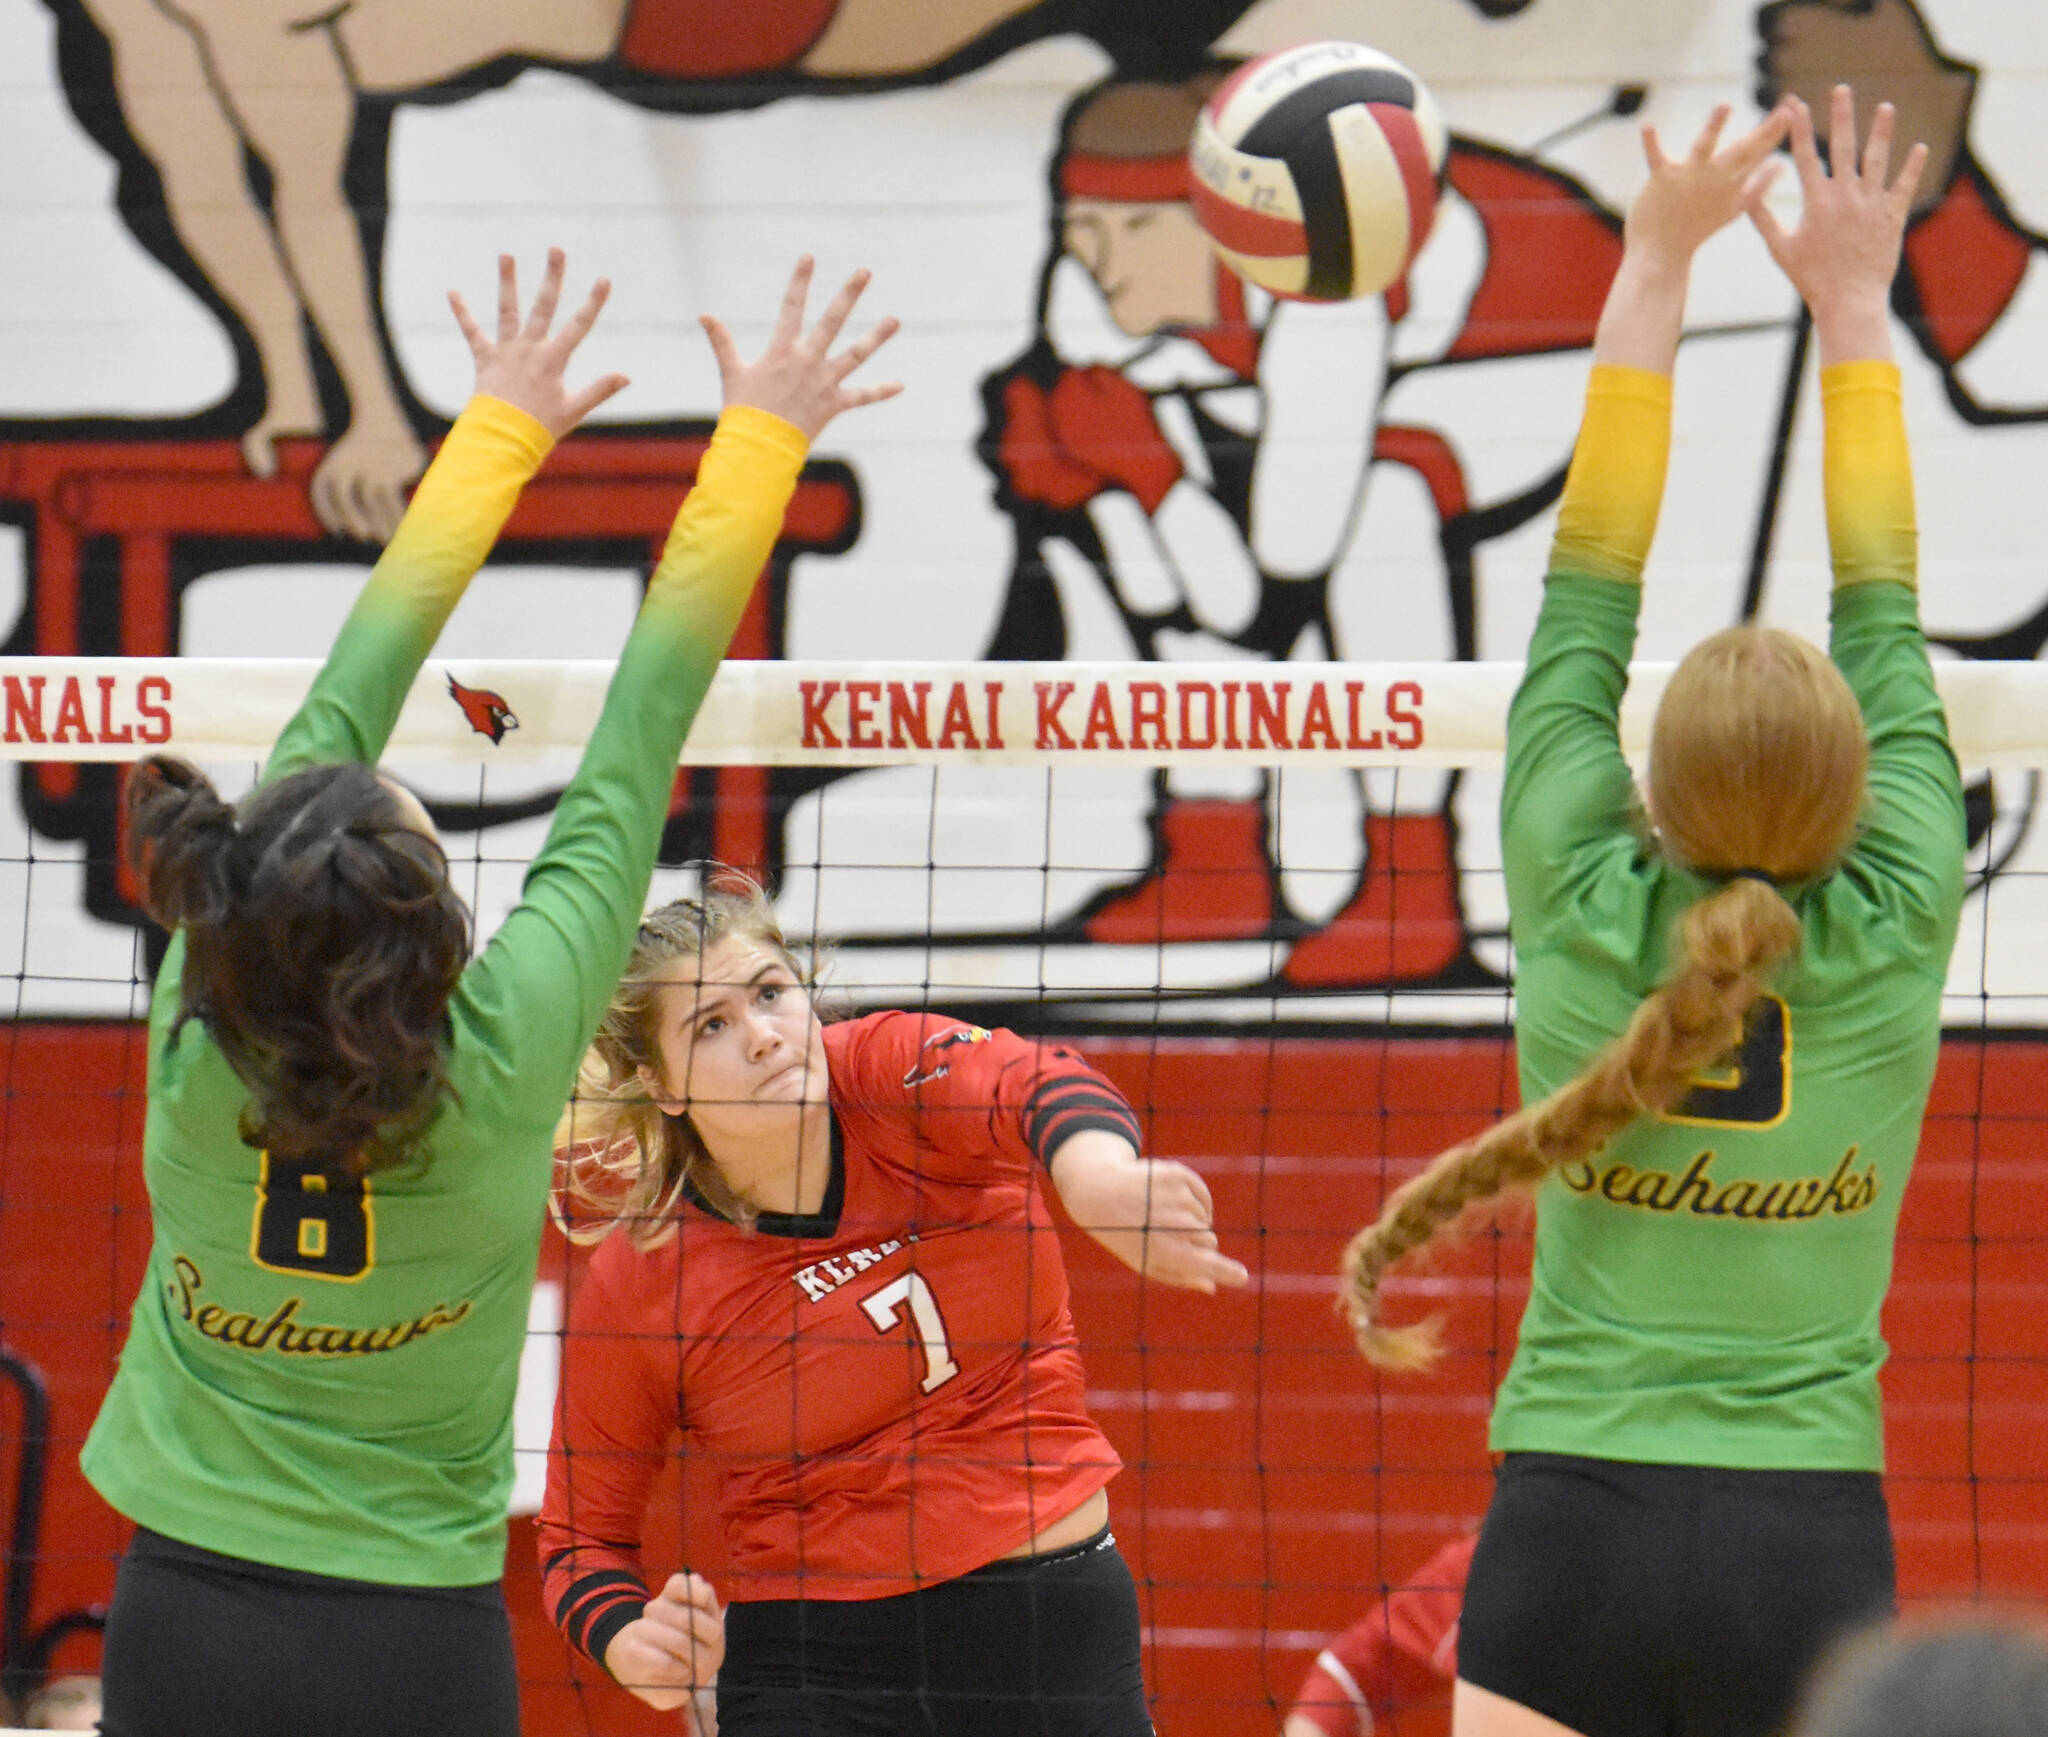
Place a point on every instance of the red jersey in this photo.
(1398, 1659)
(890, 1388)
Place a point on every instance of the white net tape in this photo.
(901, 714)
(1198, 844)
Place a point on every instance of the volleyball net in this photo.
(1265, 899)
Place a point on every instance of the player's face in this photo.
(1151, 258)
(742, 1054)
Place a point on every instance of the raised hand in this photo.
(1843, 252)
(1685, 200)
(525, 364)
(1882, 48)
(1689, 198)
(674, 1648)
(797, 377)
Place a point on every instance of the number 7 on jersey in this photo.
(883, 1307)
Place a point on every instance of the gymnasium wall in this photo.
(226, 232)
(1274, 1485)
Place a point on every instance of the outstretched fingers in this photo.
(1907, 187)
(789, 323)
(466, 322)
(1709, 138)
(508, 298)
(1805, 148)
(525, 365)
(582, 403)
(1877, 148)
(862, 348)
(799, 376)
(1842, 133)
(836, 311)
(1754, 148)
(723, 350)
(541, 315)
(580, 322)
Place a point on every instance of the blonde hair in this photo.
(621, 1159)
(1757, 768)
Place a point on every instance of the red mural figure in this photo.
(1169, 451)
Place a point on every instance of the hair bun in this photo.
(181, 840)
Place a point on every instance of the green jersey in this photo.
(1707, 1286)
(319, 1371)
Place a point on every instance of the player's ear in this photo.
(657, 1090)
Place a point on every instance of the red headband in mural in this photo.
(1135, 180)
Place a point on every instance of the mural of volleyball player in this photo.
(302, 90)
(1199, 471)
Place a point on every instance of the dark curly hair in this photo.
(323, 941)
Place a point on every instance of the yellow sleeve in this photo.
(1867, 474)
(456, 513)
(727, 528)
(1615, 488)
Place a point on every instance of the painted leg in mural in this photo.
(177, 118)
(204, 81)
(1403, 593)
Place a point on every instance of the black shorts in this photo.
(1627, 1600)
(200, 1644)
(1042, 1646)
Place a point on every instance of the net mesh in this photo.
(1290, 956)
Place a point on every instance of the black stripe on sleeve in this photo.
(1061, 1108)
(590, 1605)
(605, 1627)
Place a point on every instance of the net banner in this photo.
(780, 713)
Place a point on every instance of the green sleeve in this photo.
(456, 514)
(1567, 785)
(1913, 836)
(544, 981)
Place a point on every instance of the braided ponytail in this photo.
(1729, 944)
(1758, 762)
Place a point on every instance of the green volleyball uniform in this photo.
(1707, 1286)
(319, 1373)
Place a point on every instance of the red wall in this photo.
(1274, 1483)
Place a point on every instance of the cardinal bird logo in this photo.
(487, 712)
(932, 1064)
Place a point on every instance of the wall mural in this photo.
(224, 357)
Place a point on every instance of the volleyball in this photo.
(1315, 170)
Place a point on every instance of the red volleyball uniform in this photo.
(1398, 1659)
(890, 1389)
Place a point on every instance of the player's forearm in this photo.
(1615, 488)
(1852, 328)
(725, 533)
(456, 514)
(1644, 312)
(1091, 1171)
(1867, 474)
